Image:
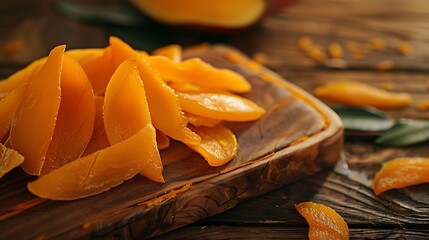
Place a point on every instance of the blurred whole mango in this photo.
(215, 14)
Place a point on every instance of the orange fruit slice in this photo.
(324, 222)
(400, 173)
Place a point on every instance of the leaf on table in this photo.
(364, 118)
(119, 14)
(405, 133)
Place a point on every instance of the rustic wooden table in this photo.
(396, 214)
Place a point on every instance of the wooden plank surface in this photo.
(296, 138)
(396, 214)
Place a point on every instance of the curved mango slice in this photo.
(8, 106)
(9, 159)
(324, 222)
(21, 77)
(97, 172)
(359, 94)
(221, 106)
(201, 121)
(172, 52)
(99, 138)
(198, 72)
(400, 173)
(126, 112)
(75, 120)
(163, 102)
(218, 144)
(34, 121)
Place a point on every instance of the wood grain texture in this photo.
(268, 158)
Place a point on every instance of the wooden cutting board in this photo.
(297, 137)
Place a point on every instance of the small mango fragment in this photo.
(200, 73)
(9, 159)
(220, 106)
(126, 112)
(324, 222)
(360, 94)
(400, 173)
(97, 172)
(218, 144)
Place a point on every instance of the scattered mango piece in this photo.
(385, 65)
(13, 46)
(126, 112)
(97, 172)
(335, 50)
(317, 54)
(324, 222)
(221, 106)
(378, 44)
(305, 43)
(400, 173)
(360, 94)
(404, 48)
(9, 159)
(423, 105)
(218, 144)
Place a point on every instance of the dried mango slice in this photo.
(198, 72)
(221, 106)
(400, 173)
(75, 120)
(99, 171)
(99, 138)
(360, 94)
(172, 52)
(34, 121)
(9, 159)
(218, 144)
(126, 112)
(324, 222)
(201, 121)
(162, 100)
(8, 106)
(21, 77)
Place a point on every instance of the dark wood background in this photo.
(397, 214)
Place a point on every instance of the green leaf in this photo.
(120, 14)
(364, 118)
(405, 133)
